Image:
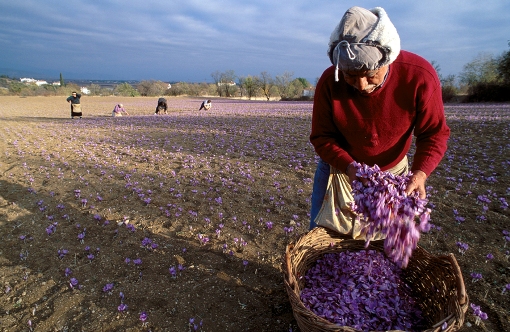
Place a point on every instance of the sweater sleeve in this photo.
(324, 135)
(431, 132)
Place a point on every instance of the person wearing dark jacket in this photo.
(74, 100)
(162, 106)
(206, 105)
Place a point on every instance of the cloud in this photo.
(188, 40)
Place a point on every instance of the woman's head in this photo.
(363, 40)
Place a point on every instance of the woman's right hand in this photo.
(351, 173)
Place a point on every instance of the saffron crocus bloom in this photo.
(476, 276)
(463, 247)
(479, 314)
(122, 307)
(108, 288)
(146, 242)
(73, 283)
(143, 316)
(506, 288)
(489, 257)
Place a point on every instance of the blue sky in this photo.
(188, 40)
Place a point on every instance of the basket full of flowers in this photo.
(364, 291)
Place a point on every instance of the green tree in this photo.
(304, 82)
(16, 87)
(152, 88)
(225, 83)
(62, 83)
(504, 67)
(483, 69)
(250, 86)
(95, 90)
(484, 79)
(449, 90)
(4, 81)
(283, 83)
(126, 90)
(297, 87)
(50, 89)
(216, 76)
(266, 84)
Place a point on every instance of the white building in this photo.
(31, 80)
(231, 83)
(310, 92)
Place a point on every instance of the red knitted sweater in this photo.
(378, 128)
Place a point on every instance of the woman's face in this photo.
(365, 81)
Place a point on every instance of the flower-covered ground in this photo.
(179, 222)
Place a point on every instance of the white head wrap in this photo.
(363, 40)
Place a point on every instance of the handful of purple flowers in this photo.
(383, 207)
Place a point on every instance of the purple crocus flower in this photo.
(506, 288)
(73, 283)
(108, 288)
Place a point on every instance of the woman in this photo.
(74, 99)
(206, 104)
(162, 106)
(118, 110)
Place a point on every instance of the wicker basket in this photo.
(436, 281)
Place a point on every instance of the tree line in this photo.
(226, 84)
(485, 78)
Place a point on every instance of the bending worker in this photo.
(368, 105)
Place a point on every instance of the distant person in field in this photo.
(119, 110)
(206, 105)
(367, 107)
(74, 100)
(162, 106)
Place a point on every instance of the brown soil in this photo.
(173, 179)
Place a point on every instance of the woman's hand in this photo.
(417, 183)
(351, 173)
